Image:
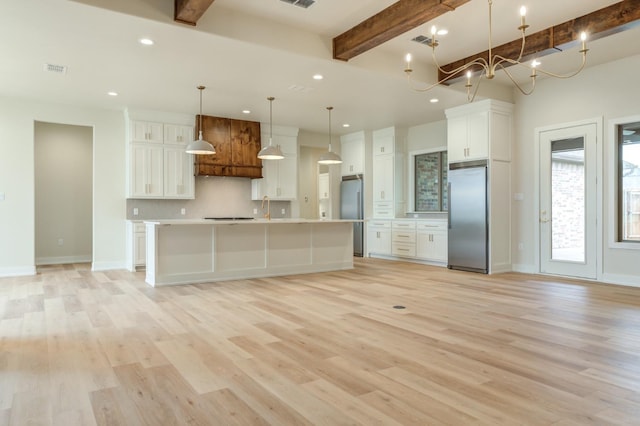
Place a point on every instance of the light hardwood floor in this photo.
(83, 348)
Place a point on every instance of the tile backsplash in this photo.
(215, 197)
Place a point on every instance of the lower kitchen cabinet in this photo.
(379, 237)
(136, 245)
(419, 239)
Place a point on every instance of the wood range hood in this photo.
(237, 144)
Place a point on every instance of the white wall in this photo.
(605, 91)
(17, 182)
(427, 136)
(63, 183)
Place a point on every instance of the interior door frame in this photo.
(598, 121)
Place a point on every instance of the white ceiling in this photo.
(246, 50)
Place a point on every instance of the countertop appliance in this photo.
(351, 208)
(468, 224)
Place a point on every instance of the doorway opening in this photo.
(63, 156)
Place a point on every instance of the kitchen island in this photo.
(196, 251)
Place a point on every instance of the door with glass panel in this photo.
(568, 204)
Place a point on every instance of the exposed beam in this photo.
(601, 23)
(189, 11)
(396, 19)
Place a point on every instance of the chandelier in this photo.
(488, 66)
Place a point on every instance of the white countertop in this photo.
(247, 222)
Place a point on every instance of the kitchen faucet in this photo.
(267, 215)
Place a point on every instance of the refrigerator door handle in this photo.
(359, 212)
(449, 207)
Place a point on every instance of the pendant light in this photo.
(270, 152)
(200, 146)
(330, 157)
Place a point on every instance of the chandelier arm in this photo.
(550, 74)
(518, 86)
(449, 74)
(427, 88)
(470, 97)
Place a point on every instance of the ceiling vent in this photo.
(300, 3)
(423, 40)
(58, 69)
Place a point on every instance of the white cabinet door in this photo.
(178, 174)
(280, 177)
(178, 134)
(383, 178)
(352, 157)
(146, 171)
(456, 139)
(323, 186)
(147, 131)
(287, 181)
(432, 246)
(383, 142)
(379, 238)
(478, 136)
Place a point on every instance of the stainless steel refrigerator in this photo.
(351, 208)
(468, 216)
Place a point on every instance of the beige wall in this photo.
(63, 193)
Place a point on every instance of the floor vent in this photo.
(300, 3)
(58, 69)
(423, 40)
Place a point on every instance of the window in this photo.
(430, 182)
(628, 145)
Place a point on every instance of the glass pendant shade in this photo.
(329, 157)
(270, 152)
(200, 146)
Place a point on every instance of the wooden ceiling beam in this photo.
(189, 11)
(396, 19)
(601, 23)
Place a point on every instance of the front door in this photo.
(568, 204)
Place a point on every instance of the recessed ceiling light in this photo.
(346, 125)
(112, 93)
(318, 76)
(246, 111)
(146, 41)
(434, 100)
(442, 31)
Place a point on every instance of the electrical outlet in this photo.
(60, 241)
(135, 211)
(255, 211)
(183, 211)
(520, 246)
(282, 211)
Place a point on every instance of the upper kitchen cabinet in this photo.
(158, 167)
(388, 173)
(237, 143)
(478, 131)
(352, 152)
(178, 134)
(280, 181)
(146, 131)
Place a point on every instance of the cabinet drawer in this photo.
(404, 224)
(403, 249)
(431, 226)
(383, 213)
(379, 224)
(139, 227)
(404, 236)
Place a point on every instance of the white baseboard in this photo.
(62, 260)
(108, 266)
(524, 268)
(17, 271)
(628, 280)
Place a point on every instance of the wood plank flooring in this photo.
(83, 348)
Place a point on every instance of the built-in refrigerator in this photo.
(468, 216)
(351, 208)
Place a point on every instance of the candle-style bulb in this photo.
(523, 11)
(408, 59)
(434, 30)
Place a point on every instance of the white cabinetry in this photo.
(323, 186)
(379, 237)
(280, 177)
(178, 134)
(484, 130)
(352, 153)
(388, 173)
(158, 165)
(431, 240)
(403, 238)
(136, 245)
